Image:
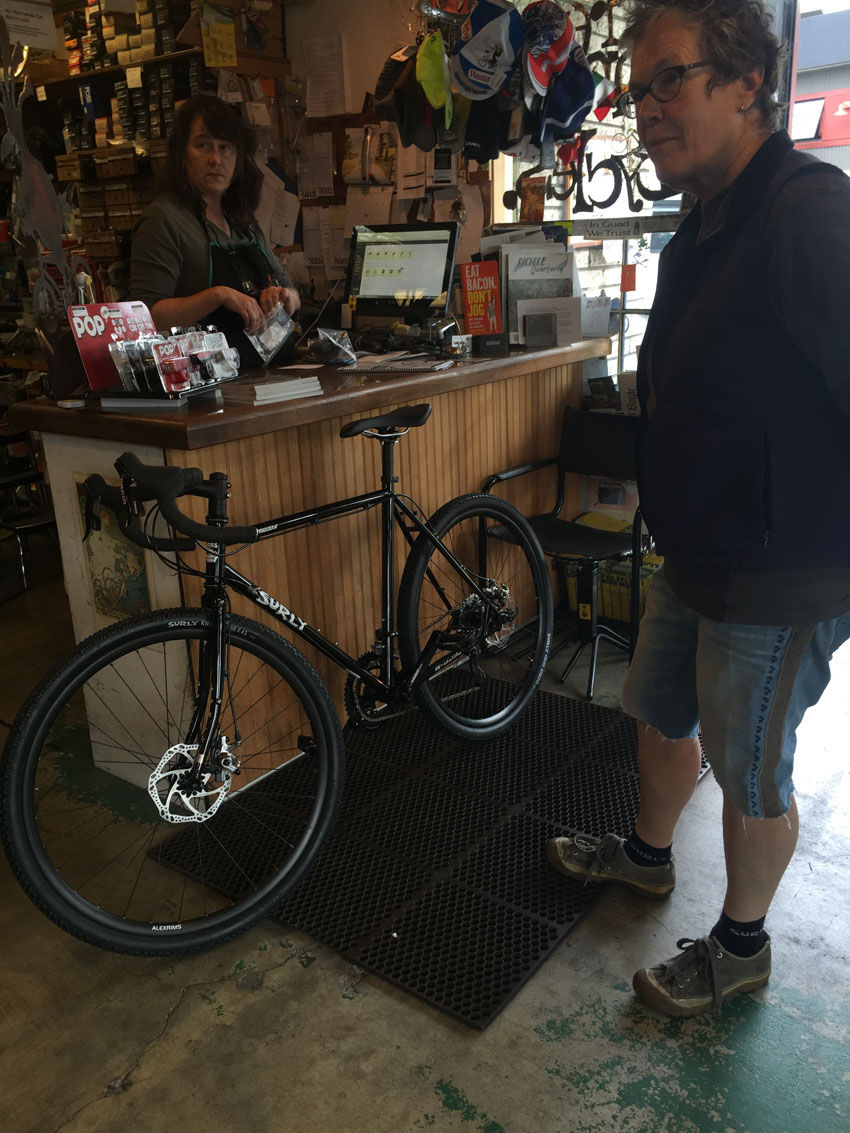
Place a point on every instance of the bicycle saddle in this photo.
(408, 417)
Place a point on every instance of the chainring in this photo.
(363, 708)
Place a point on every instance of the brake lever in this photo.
(92, 513)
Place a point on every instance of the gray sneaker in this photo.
(604, 859)
(702, 976)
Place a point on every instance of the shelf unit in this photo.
(117, 68)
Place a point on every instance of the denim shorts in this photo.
(744, 688)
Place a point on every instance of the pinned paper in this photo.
(31, 23)
(218, 35)
(368, 205)
(629, 278)
(134, 78)
(258, 113)
(325, 64)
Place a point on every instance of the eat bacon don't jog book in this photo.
(482, 303)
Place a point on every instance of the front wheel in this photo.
(104, 828)
(481, 615)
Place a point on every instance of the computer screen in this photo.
(402, 270)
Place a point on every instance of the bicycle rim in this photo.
(490, 651)
(85, 829)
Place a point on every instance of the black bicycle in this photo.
(170, 781)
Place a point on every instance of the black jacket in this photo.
(744, 454)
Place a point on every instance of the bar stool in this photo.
(25, 505)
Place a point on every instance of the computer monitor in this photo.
(401, 270)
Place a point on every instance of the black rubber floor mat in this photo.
(438, 882)
(435, 876)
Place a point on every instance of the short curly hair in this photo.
(736, 34)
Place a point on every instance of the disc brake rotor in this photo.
(175, 801)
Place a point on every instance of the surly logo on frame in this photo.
(279, 610)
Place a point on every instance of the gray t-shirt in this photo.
(171, 252)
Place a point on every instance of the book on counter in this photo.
(266, 391)
(482, 301)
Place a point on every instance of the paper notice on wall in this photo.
(230, 87)
(258, 113)
(30, 23)
(567, 314)
(469, 238)
(277, 212)
(218, 35)
(323, 164)
(595, 313)
(369, 204)
(325, 67)
(335, 241)
(409, 172)
(315, 166)
(312, 239)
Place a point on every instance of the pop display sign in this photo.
(96, 326)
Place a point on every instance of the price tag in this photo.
(134, 77)
(41, 94)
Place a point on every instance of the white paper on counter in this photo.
(567, 314)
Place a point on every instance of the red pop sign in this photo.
(96, 325)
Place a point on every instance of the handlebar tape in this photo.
(165, 484)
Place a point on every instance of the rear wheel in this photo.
(487, 643)
(103, 827)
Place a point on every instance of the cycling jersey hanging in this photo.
(246, 268)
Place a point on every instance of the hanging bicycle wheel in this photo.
(103, 824)
(485, 629)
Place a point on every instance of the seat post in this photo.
(388, 481)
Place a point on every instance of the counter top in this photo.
(210, 423)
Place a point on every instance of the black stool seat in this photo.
(408, 417)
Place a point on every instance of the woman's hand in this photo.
(288, 298)
(244, 305)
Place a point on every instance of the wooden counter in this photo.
(344, 394)
(487, 415)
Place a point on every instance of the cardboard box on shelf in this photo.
(103, 245)
(69, 167)
(116, 195)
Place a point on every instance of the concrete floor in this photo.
(275, 1032)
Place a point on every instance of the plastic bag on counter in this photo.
(271, 334)
(332, 346)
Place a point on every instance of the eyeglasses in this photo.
(664, 87)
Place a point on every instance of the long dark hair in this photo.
(222, 121)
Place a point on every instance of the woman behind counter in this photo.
(198, 255)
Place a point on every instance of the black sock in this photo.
(641, 853)
(741, 938)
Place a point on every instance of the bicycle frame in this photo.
(391, 687)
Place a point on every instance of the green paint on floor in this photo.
(79, 780)
(453, 1100)
(776, 1061)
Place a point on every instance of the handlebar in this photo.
(141, 483)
